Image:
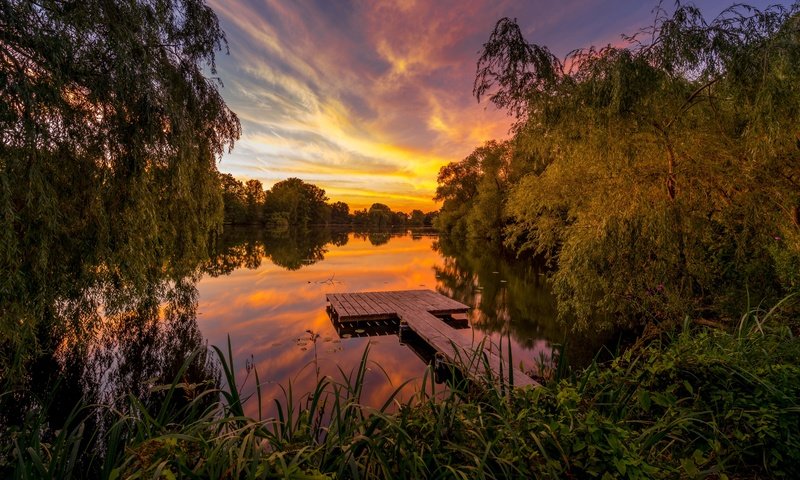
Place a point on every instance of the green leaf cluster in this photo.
(660, 178)
(110, 133)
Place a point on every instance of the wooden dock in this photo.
(421, 310)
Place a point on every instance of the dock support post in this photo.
(438, 361)
(402, 329)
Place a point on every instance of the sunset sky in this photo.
(368, 99)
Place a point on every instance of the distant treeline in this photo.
(293, 202)
(660, 178)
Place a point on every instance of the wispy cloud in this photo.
(369, 99)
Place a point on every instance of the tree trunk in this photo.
(671, 183)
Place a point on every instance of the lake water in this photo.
(269, 293)
(111, 336)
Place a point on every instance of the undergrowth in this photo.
(697, 402)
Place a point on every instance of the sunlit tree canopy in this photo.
(660, 177)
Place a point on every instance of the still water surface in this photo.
(267, 292)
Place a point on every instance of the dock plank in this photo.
(381, 305)
(418, 309)
(460, 350)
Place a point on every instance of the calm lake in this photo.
(266, 292)
(268, 295)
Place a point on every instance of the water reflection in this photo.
(267, 291)
(268, 309)
(111, 340)
(290, 249)
(510, 297)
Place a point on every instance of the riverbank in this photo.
(693, 402)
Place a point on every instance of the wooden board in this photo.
(375, 305)
(461, 349)
(418, 308)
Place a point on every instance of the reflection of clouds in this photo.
(266, 310)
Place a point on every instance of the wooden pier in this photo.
(420, 311)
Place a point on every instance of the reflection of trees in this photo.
(288, 248)
(381, 236)
(230, 257)
(516, 300)
(111, 336)
(339, 238)
(147, 343)
(294, 248)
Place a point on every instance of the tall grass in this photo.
(696, 402)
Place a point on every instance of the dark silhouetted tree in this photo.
(109, 135)
(301, 203)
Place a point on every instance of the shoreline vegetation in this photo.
(694, 402)
(660, 180)
(293, 203)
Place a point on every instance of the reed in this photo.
(696, 402)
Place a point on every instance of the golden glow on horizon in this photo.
(370, 115)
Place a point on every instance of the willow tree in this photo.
(666, 171)
(109, 135)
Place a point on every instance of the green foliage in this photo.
(416, 218)
(340, 213)
(233, 200)
(110, 134)
(302, 203)
(291, 249)
(297, 204)
(660, 177)
(693, 403)
(380, 217)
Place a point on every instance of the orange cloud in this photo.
(369, 99)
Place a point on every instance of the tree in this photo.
(233, 199)
(417, 218)
(457, 188)
(478, 195)
(301, 203)
(661, 176)
(380, 216)
(340, 213)
(361, 217)
(254, 200)
(109, 134)
(473, 192)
